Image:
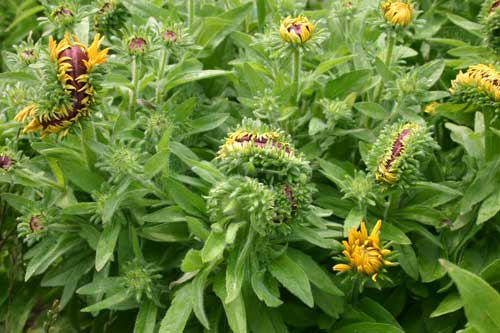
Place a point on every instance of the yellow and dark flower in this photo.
(397, 12)
(364, 253)
(74, 63)
(296, 30)
(396, 156)
(480, 84)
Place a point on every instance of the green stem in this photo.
(161, 70)
(296, 71)
(135, 84)
(190, 5)
(388, 56)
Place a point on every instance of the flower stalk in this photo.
(296, 71)
(135, 87)
(161, 70)
(388, 57)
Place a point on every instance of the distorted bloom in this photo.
(63, 16)
(243, 138)
(28, 56)
(35, 223)
(137, 45)
(5, 162)
(32, 227)
(431, 108)
(296, 30)
(363, 252)
(483, 78)
(170, 36)
(397, 12)
(386, 171)
(74, 63)
(494, 6)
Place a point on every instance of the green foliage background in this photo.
(128, 243)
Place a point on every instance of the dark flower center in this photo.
(296, 28)
(35, 224)
(63, 12)
(76, 57)
(495, 5)
(170, 36)
(137, 44)
(262, 142)
(5, 162)
(397, 147)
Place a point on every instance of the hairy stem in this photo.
(135, 86)
(190, 5)
(161, 70)
(388, 56)
(296, 71)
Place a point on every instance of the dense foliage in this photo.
(249, 166)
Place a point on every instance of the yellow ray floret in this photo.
(484, 77)
(363, 252)
(240, 138)
(296, 30)
(397, 12)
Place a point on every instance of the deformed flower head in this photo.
(396, 156)
(242, 138)
(5, 162)
(62, 16)
(296, 30)
(74, 63)
(170, 36)
(364, 253)
(141, 279)
(397, 12)
(32, 227)
(477, 83)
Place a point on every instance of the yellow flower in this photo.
(296, 30)
(74, 62)
(431, 108)
(240, 138)
(397, 12)
(484, 77)
(363, 252)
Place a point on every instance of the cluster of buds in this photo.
(396, 156)
(296, 30)
(396, 12)
(74, 63)
(479, 85)
(263, 166)
(141, 279)
(491, 24)
(364, 253)
(123, 161)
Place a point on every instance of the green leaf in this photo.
(428, 256)
(489, 208)
(107, 303)
(407, 260)
(465, 24)
(106, 244)
(195, 76)
(214, 247)
(353, 220)
(377, 312)
(207, 123)
(368, 327)
(197, 296)
(327, 65)
(266, 289)
(355, 81)
(15, 77)
(383, 70)
(192, 261)
(292, 277)
(235, 310)
(189, 201)
(156, 163)
(451, 303)
(314, 272)
(372, 110)
(178, 313)
(166, 215)
(146, 318)
(481, 301)
(104, 285)
(430, 73)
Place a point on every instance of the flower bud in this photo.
(169, 36)
(5, 162)
(479, 85)
(32, 227)
(296, 30)
(396, 12)
(62, 16)
(137, 46)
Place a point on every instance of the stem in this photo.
(388, 56)
(296, 71)
(135, 84)
(161, 70)
(190, 5)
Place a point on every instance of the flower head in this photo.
(5, 162)
(396, 156)
(170, 36)
(478, 82)
(74, 63)
(363, 252)
(430, 108)
(296, 30)
(62, 16)
(397, 12)
(137, 45)
(32, 227)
